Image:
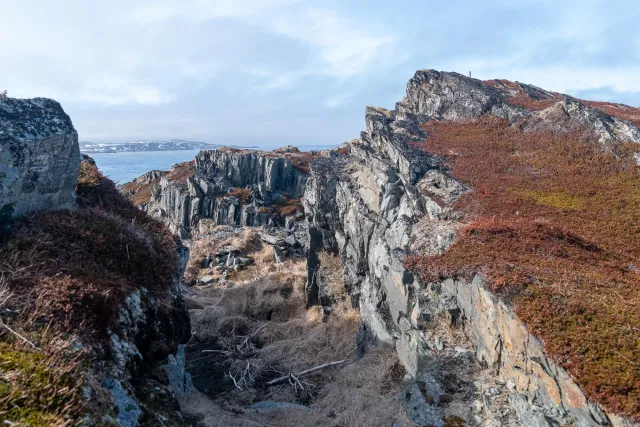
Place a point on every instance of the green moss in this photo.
(32, 417)
(555, 199)
(36, 389)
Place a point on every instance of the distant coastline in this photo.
(143, 146)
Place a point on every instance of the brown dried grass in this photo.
(40, 380)
(77, 266)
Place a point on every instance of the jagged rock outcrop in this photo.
(375, 204)
(232, 187)
(146, 335)
(39, 156)
(110, 361)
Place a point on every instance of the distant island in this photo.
(138, 146)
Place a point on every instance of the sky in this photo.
(276, 72)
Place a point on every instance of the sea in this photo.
(124, 167)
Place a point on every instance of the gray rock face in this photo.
(231, 187)
(245, 168)
(453, 96)
(385, 199)
(39, 156)
(149, 331)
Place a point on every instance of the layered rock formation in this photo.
(231, 187)
(386, 199)
(379, 199)
(39, 156)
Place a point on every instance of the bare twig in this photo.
(253, 334)
(17, 334)
(303, 373)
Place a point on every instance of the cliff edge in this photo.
(465, 202)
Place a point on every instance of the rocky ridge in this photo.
(386, 199)
(230, 187)
(40, 158)
(380, 199)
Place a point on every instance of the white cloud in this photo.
(560, 78)
(345, 48)
(337, 101)
(200, 10)
(110, 90)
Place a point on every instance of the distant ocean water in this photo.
(123, 167)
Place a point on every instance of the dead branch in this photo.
(17, 334)
(242, 378)
(253, 334)
(295, 377)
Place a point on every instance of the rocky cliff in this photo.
(91, 292)
(40, 158)
(229, 187)
(390, 197)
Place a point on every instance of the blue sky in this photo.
(275, 72)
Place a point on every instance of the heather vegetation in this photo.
(243, 194)
(554, 224)
(139, 193)
(624, 112)
(64, 275)
(288, 206)
(182, 172)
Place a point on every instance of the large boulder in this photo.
(39, 156)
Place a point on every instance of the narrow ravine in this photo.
(253, 327)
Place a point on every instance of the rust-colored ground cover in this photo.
(554, 223)
(75, 267)
(624, 112)
(182, 172)
(139, 193)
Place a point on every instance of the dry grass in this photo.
(288, 338)
(331, 270)
(40, 380)
(182, 172)
(365, 393)
(198, 251)
(248, 242)
(291, 337)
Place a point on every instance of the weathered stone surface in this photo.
(382, 199)
(230, 187)
(245, 168)
(39, 156)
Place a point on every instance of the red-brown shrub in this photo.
(182, 172)
(241, 193)
(554, 223)
(76, 266)
(624, 112)
(522, 100)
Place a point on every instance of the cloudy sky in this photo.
(273, 72)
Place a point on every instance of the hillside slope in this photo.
(90, 287)
(513, 211)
